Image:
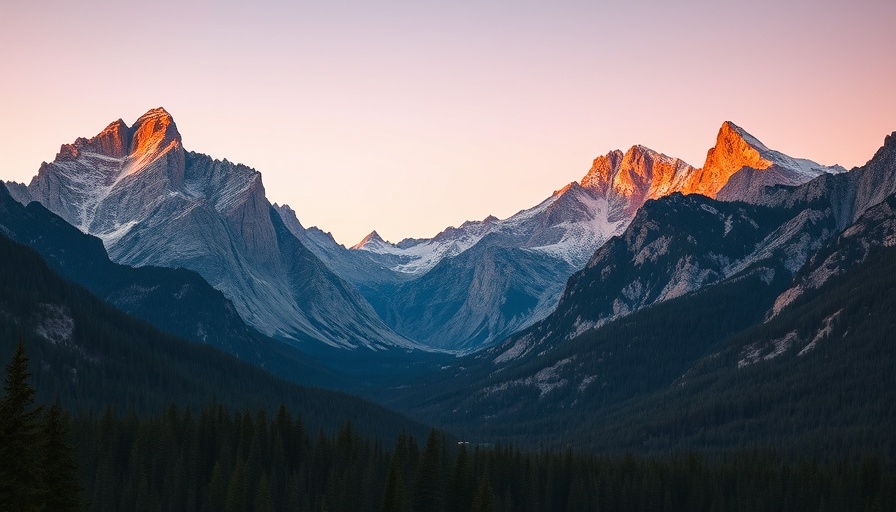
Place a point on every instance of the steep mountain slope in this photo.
(848, 195)
(529, 392)
(680, 244)
(875, 229)
(369, 272)
(90, 356)
(817, 379)
(483, 294)
(153, 203)
(176, 301)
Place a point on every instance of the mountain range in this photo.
(703, 301)
(153, 203)
(637, 288)
(476, 284)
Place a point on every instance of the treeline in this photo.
(221, 460)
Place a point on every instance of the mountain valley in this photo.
(626, 286)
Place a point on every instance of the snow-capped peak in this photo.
(371, 242)
(153, 131)
(730, 129)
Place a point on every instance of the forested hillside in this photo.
(91, 356)
(219, 460)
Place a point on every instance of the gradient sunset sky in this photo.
(410, 116)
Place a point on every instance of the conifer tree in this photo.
(237, 492)
(393, 500)
(461, 483)
(428, 495)
(20, 440)
(485, 499)
(264, 502)
(60, 472)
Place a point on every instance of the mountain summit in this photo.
(371, 239)
(739, 166)
(101, 170)
(154, 203)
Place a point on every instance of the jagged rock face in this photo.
(849, 195)
(18, 191)
(677, 245)
(876, 228)
(731, 153)
(877, 179)
(629, 180)
(154, 203)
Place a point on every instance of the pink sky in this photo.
(410, 116)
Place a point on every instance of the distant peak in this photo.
(373, 237)
(112, 141)
(639, 149)
(735, 149)
(154, 130)
(730, 131)
(738, 147)
(890, 140)
(115, 127)
(158, 112)
(601, 172)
